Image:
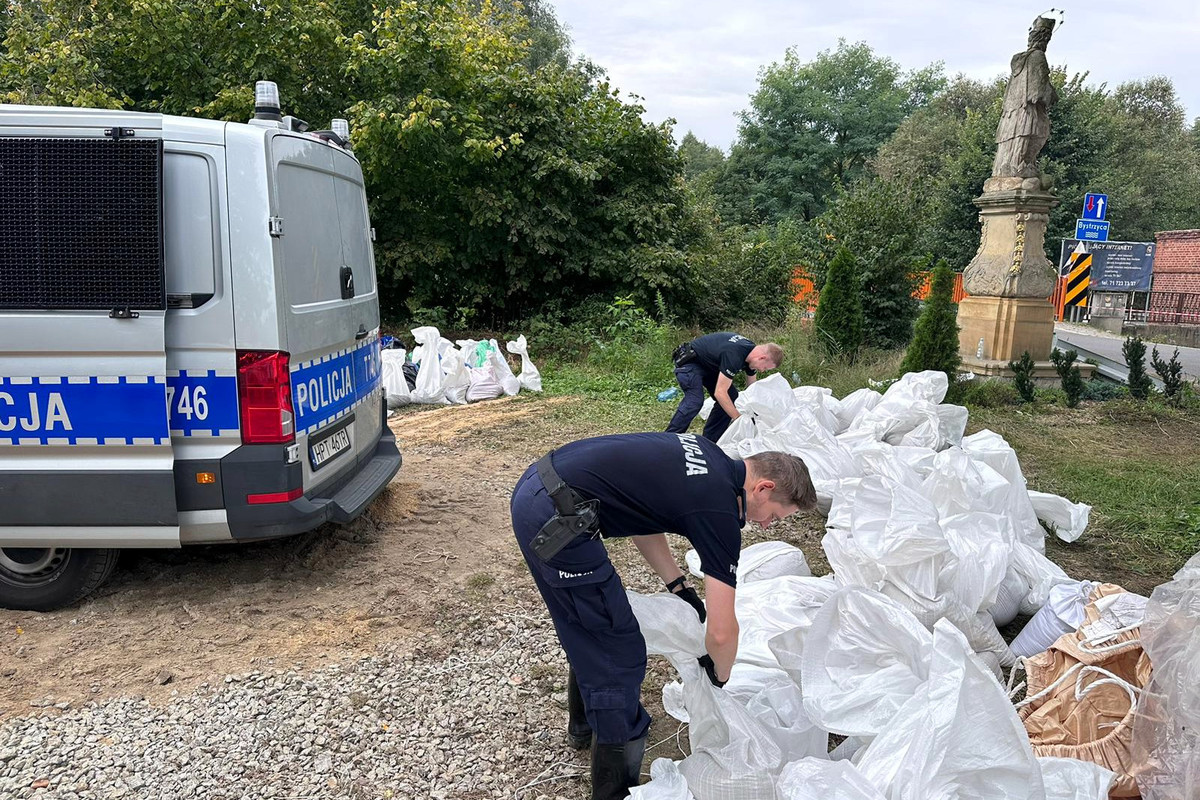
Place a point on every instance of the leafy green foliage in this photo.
(501, 175)
(1072, 381)
(989, 394)
(1022, 370)
(811, 126)
(699, 157)
(935, 339)
(1171, 374)
(873, 219)
(1140, 384)
(839, 318)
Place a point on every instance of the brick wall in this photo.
(1176, 252)
(1187, 283)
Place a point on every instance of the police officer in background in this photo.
(639, 485)
(712, 362)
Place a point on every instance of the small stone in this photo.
(164, 677)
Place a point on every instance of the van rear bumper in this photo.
(341, 502)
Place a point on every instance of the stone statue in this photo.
(1025, 120)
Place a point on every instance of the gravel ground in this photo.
(470, 714)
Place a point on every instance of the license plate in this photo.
(324, 450)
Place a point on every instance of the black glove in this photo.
(688, 595)
(711, 668)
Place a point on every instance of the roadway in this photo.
(1106, 349)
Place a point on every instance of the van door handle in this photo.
(362, 332)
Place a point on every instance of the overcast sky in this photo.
(698, 60)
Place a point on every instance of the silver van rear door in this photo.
(331, 306)
(85, 449)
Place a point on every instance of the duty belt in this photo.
(574, 516)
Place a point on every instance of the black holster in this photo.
(684, 354)
(573, 516)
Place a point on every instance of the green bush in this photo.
(1134, 351)
(935, 341)
(1100, 390)
(1023, 376)
(989, 394)
(839, 318)
(1171, 374)
(1072, 381)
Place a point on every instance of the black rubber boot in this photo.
(616, 768)
(579, 732)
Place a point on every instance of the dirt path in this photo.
(171, 620)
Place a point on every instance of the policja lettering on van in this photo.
(34, 420)
(693, 456)
(324, 390)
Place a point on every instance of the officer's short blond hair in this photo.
(775, 352)
(792, 482)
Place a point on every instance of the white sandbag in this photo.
(854, 405)
(1071, 779)
(958, 484)
(1062, 613)
(504, 373)
(819, 402)
(861, 660)
(980, 543)
(919, 459)
(395, 387)
(1065, 518)
(957, 736)
(768, 608)
(456, 376)
(952, 423)
(929, 385)
(898, 528)
(818, 779)
(469, 348)
(744, 429)
(761, 561)
(1009, 594)
(878, 458)
(666, 783)
(768, 400)
(1039, 572)
(484, 385)
(430, 379)
(708, 780)
(991, 448)
(529, 378)
(774, 701)
(801, 434)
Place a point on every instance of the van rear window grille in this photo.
(81, 224)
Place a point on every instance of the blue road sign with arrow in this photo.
(1095, 206)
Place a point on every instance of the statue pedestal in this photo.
(1008, 326)
(1011, 260)
(1010, 280)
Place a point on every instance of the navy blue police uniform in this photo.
(645, 483)
(711, 356)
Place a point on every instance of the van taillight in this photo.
(265, 397)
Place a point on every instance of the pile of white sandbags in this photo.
(941, 523)
(925, 717)
(457, 372)
(934, 539)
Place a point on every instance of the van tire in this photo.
(44, 579)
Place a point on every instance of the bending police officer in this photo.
(639, 485)
(711, 363)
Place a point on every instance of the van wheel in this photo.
(46, 578)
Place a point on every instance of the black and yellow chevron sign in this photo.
(1079, 278)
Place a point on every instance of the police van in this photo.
(189, 338)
